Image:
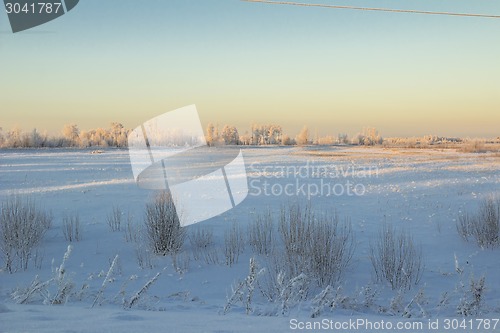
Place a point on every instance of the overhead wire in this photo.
(391, 10)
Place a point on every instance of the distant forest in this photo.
(116, 136)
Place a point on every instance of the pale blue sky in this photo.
(333, 70)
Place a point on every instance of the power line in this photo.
(391, 10)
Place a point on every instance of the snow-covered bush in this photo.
(484, 226)
(22, 227)
(261, 234)
(330, 250)
(56, 290)
(234, 244)
(320, 246)
(473, 146)
(143, 252)
(163, 229)
(106, 280)
(135, 298)
(114, 219)
(294, 227)
(64, 284)
(368, 137)
(203, 245)
(71, 228)
(242, 292)
(291, 291)
(471, 300)
(396, 259)
(200, 239)
(333, 298)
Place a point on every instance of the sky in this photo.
(334, 70)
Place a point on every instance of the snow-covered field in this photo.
(421, 191)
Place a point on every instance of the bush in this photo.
(321, 247)
(234, 244)
(473, 146)
(471, 301)
(396, 259)
(115, 219)
(261, 234)
(484, 226)
(163, 228)
(201, 240)
(71, 228)
(331, 250)
(22, 227)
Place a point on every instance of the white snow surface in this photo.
(422, 191)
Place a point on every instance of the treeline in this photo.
(71, 136)
(116, 136)
(274, 135)
(258, 135)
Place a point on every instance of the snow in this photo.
(422, 191)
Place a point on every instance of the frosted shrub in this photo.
(234, 244)
(331, 250)
(261, 234)
(63, 283)
(331, 298)
(22, 227)
(295, 230)
(163, 229)
(396, 259)
(38, 290)
(322, 247)
(107, 279)
(473, 146)
(291, 291)
(242, 292)
(115, 219)
(201, 239)
(134, 299)
(484, 226)
(71, 228)
(471, 300)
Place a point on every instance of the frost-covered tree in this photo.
(369, 137)
(342, 139)
(303, 136)
(287, 141)
(246, 139)
(230, 135)
(13, 139)
(118, 135)
(210, 134)
(71, 133)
